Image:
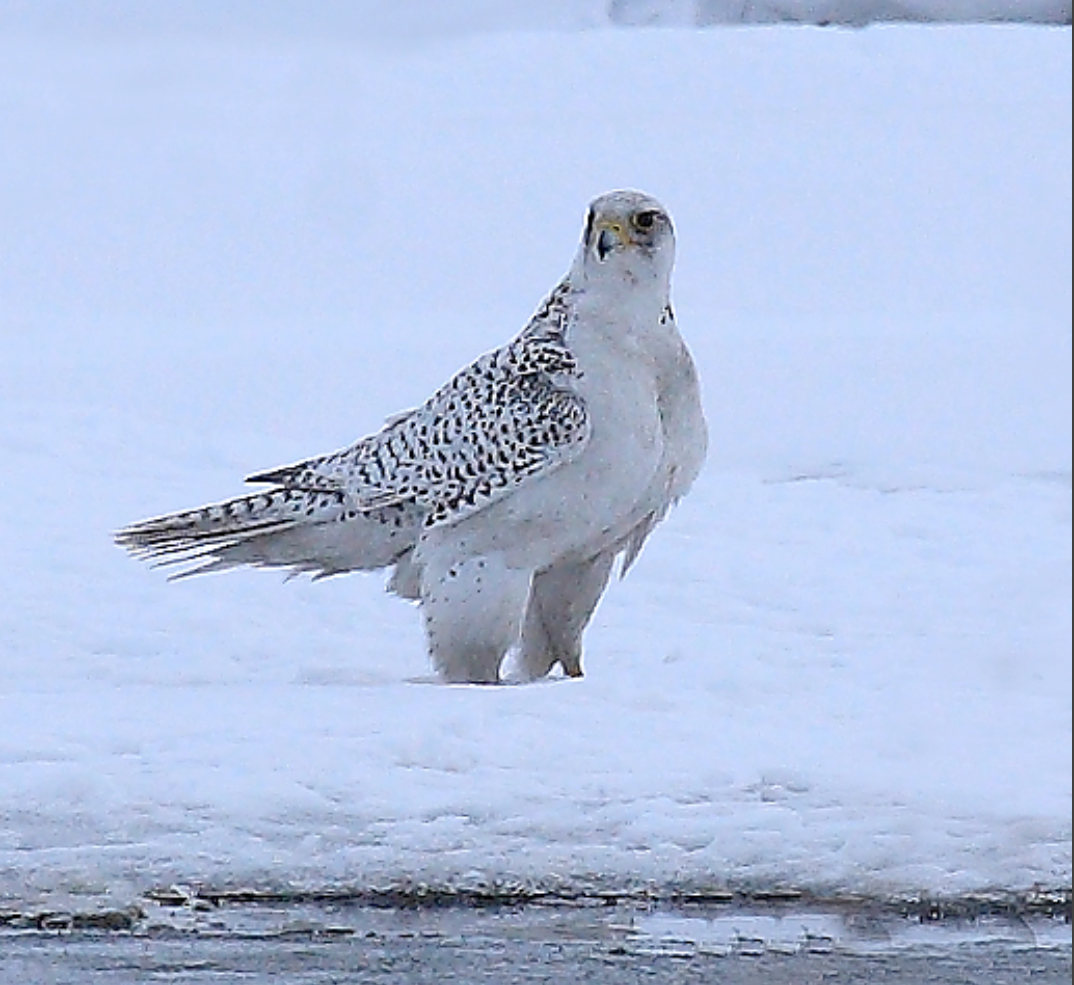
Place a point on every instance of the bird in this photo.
(502, 503)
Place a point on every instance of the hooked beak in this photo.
(611, 236)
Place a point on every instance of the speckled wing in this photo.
(509, 416)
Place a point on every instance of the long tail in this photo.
(305, 530)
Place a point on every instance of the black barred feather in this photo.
(510, 415)
(306, 530)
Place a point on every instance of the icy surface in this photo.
(844, 661)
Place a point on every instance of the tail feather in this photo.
(306, 530)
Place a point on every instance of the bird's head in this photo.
(628, 240)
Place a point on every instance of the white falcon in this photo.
(503, 501)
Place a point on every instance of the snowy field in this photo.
(842, 665)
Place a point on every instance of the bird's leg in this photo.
(473, 614)
(561, 604)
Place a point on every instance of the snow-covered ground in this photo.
(843, 664)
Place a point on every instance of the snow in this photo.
(842, 665)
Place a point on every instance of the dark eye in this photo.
(646, 219)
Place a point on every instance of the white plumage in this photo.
(502, 502)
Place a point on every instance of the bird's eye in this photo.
(646, 219)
